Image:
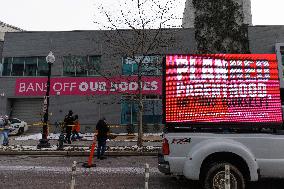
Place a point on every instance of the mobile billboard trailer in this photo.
(221, 91)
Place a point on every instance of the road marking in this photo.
(101, 170)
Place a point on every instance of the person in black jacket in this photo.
(102, 132)
(69, 122)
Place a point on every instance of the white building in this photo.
(7, 28)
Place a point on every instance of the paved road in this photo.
(24, 172)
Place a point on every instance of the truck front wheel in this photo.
(214, 177)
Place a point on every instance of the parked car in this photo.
(18, 126)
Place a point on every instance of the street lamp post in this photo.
(43, 143)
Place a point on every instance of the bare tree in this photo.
(138, 29)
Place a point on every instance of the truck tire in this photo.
(214, 177)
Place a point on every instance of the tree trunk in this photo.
(140, 133)
(140, 107)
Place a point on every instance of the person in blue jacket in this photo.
(4, 126)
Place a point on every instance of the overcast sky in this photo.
(62, 15)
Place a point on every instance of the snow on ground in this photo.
(83, 147)
(152, 134)
(26, 148)
(86, 136)
(36, 136)
(134, 148)
(52, 136)
(136, 134)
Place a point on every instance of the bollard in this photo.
(227, 177)
(147, 174)
(72, 186)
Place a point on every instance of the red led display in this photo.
(222, 88)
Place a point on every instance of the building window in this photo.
(30, 66)
(74, 66)
(128, 115)
(25, 66)
(151, 65)
(7, 66)
(42, 68)
(81, 66)
(18, 66)
(282, 57)
(152, 113)
(1, 69)
(94, 65)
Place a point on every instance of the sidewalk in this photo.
(119, 144)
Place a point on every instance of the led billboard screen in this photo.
(222, 88)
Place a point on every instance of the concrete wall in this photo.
(262, 39)
(246, 4)
(1, 50)
(188, 15)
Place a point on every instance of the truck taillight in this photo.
(165, 147)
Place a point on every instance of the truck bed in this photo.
(267, 149)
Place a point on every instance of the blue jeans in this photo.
(75, 135)
(101, 147)
(6, 139)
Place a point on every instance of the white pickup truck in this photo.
(203, 156)
(222, 114)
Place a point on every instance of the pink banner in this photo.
(88, 86)
(223, 88)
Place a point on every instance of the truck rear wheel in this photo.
(214, 178)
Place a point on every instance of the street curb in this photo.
(77, 153)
